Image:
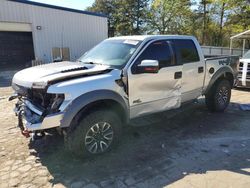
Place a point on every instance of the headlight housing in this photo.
(39, 85)
(56, 102)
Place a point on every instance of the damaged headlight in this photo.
(56, 102)
(39, 85)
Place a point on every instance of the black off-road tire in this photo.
(218, 98)
(74, 139)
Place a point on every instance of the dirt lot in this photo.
(192, 149)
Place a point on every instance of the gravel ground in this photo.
(192, 149)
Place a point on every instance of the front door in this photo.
(154, 92)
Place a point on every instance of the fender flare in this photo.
(219, 73)
(83, 100)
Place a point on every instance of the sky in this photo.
(74, 4)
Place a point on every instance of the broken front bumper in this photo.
(31, 118)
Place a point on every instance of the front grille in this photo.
(40, 98)
(45, 102)
(241, 71)
(241, 66)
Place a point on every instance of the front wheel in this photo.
(95, 134)
(219, 96)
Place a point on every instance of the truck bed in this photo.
(214, 57)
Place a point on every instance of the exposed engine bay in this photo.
(34, 105)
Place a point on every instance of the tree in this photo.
(213, 22)
(240, 14)
(169, 16)
(131, 16)
(239, 19)
(204, 11)
(107, 7)
(125, 17)
(217, 17)
(219, 12)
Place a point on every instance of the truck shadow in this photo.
(242, 89)
(159, 154)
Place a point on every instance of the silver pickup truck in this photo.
(120, 79)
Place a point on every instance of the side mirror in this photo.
(148, 66)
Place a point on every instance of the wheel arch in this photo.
(222, 73)
(85, 103)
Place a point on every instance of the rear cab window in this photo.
(186, 51)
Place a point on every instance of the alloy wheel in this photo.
(222, 96)
(99, 137)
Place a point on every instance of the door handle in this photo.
(177, 75)
(200, 69)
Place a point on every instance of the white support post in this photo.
(244, 45)
(231, 46)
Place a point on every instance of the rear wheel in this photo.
(219, 96)
(95, 134)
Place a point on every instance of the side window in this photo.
(186, 51)
(160, 51)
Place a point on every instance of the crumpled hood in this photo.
(55, 72)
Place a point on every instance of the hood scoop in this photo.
(56, 72)
(74, 69)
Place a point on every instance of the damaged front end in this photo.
(41, 102)
(37, 110)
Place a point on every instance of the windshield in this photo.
(247, 55)
(111, 52)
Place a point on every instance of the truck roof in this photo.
(147, 37)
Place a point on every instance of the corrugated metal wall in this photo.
(79, 32)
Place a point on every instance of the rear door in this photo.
(153, 92)
(193, 69)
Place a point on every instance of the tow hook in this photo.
(12, 97)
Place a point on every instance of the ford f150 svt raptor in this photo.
(121, 78)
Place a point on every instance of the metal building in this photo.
(30, 30)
